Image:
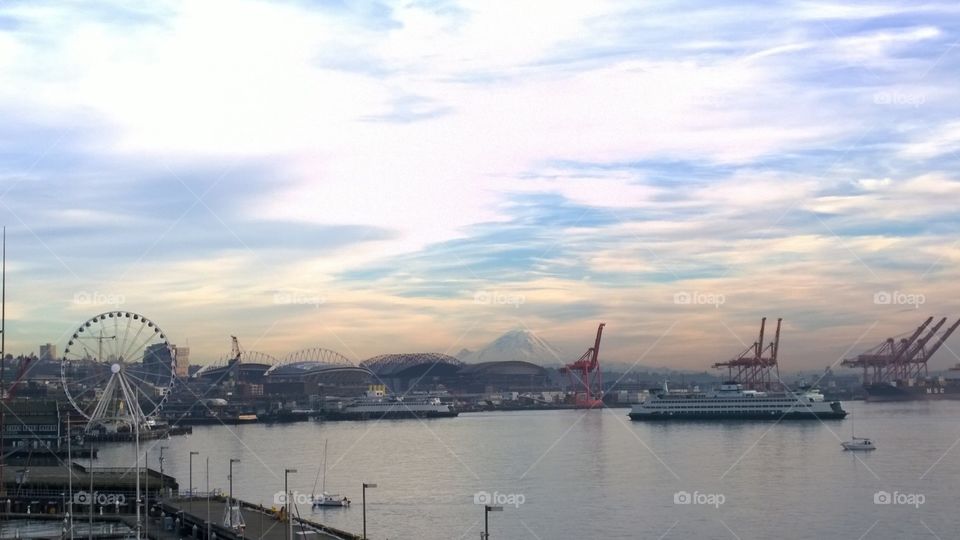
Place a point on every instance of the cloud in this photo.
(392, 157)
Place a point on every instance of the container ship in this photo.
(376, 405)
(933, 388)
(732, 402)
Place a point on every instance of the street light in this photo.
(230, 499)
(208, 496)
(365, 486)
(486, 519)
(286, 501)
(162, 448)
(191, 473)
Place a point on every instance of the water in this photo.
(593, 474)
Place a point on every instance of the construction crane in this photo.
(22, 371)
(902, 360)
(757, 367)
(586, 377)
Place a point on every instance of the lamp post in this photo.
(230, 499)
(365, 486)
(162, 448)
(90, 509)
(286, 500)
(486, 519)
(191, 474)
(146, 493)
(208, 497)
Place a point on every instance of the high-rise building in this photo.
(182, 356)
(48, 352)
(157, 362)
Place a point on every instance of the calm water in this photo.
(591, 474)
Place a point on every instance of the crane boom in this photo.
(594, 361)
(943, 337)
(759, 346)
(776, 342)
(918, 346)
(913, 337)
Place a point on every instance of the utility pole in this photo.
(3, 358)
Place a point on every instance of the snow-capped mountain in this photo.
(515, 345)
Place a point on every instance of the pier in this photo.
(175, 518)
(38, 501)
(192, 516)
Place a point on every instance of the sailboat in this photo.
(857, 443)
(326, 499)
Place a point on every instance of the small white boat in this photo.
(326, 499)
(858, 443)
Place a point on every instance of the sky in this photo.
(374, 177)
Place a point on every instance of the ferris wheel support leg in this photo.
(137, 436)
(133, 404)
(99, 413)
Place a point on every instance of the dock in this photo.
(38, 499)
(192, 516)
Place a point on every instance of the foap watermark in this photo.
(291, 298)
(97, 298)
(295, 497)
(704, 499)
(898, 298)
(898, 98)
(698, 298)
(903, 499)
(103, 499)
(499, 499)
(498, 298)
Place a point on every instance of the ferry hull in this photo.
(793, 415)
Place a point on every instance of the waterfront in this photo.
(582, 474)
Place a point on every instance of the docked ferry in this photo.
(731, 402)
(377, 405)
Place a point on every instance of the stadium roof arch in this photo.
(409, 365)
(316, 364)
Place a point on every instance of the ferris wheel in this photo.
(117, 370)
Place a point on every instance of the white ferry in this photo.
(378, 405)
(732, 402)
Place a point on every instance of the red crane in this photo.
(586, 377)
(22, 371)
(756, 368)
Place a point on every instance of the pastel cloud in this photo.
(395, 159)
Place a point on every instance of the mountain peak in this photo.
(519, 344)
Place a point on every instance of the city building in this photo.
(48, 352)
(182, 356)
(157, 363)
(32, 424)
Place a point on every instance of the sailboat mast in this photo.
(323, 484)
